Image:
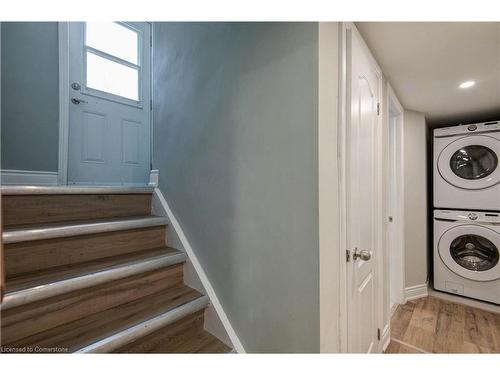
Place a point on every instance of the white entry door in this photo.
(361, 185)
(110, 103)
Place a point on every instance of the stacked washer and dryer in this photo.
(467, 210)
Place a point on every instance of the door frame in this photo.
(64, 103)
(396, 254)
(62, 170)
(347, 30)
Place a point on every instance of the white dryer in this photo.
(467, 167)
(466, 254)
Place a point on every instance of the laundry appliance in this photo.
(466, 167)
(466, 254)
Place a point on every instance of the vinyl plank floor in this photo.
(433, 325)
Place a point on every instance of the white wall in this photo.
(415, 165)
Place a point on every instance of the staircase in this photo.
(88, 270)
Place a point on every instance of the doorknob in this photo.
(78, 101)
(361, 254)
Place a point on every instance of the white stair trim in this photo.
(39, 292)
(22, 177)
(48, 231)
(415, 292)
(237, 345)
(142, 329)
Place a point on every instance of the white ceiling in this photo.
(426, 61)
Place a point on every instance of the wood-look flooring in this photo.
(433, 325)
(37, 209)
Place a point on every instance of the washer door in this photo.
(471, 162)
(471, 251)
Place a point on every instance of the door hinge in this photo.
(378, 334)
(378, 109)
(151, 40)
(348, 256)
(151, 105)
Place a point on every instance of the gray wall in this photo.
(415, 167)
(235, 140)
(30, 90)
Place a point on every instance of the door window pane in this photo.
(474, 252)
(109, 76)
(114, 39)
(473, 162)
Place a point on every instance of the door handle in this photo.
(361, 254)
(78, 101)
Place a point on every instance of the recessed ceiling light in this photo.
(467, 84)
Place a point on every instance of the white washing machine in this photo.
(466, 254)
(466, 167)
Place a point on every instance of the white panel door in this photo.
(110, 103)
(361, 174)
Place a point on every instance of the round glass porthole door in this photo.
(471, 162)
(474, 252)
(471, 251)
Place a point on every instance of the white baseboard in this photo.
(180, 236)
(21, 177)
(416, 291)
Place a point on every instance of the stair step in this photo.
(30, 319)
(146, 327)
(34, 256)
(200, 342)
(60, 280)
(63, 190)
(186, 335)
(77, 228)
(115, 326)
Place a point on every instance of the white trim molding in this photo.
(153, 177)
(396, 259)
(174, 224)
(416, 291)
(21, 177)
(386, 337)
(63, 30)
(330, 256)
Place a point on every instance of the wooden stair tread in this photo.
(80, 333)
(65, 272)
(187, 335)
(202, 342)
(33, 232)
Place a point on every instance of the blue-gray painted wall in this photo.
(235, 140)
(30, 91)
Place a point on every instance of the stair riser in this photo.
(31, 256)
(23, 321)
(168, 337)
(36, 209)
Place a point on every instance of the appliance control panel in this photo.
(468, 216)
(482, 127)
